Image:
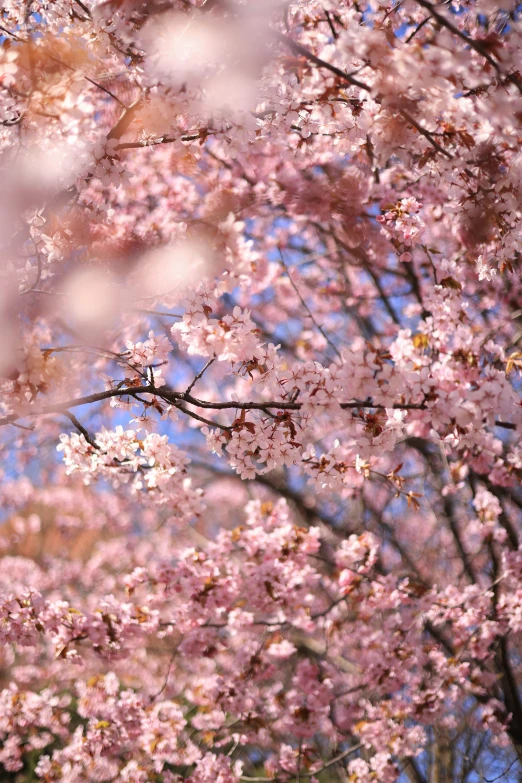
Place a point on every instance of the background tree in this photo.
(260, 392)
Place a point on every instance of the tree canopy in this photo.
(260, 412)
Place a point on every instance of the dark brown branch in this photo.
(330, 24)
(301, 50)
(136, 145)
(288, 406)
(84, 8)
(81, 429)
(105, 90)
(197, 417)
(386, 302)
(200, 374)
(62, 407)
(417, 29)
(427, 135)
(13, 35)
(506, 424)
(176, 397)
(477, 46)
(298, 49)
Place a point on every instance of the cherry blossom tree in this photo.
(260, 391)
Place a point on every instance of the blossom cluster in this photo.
(260, 402)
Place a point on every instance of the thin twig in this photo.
(104, 89)
(417, 29)
(319, 327)
(23, 427)
(13, 35)
(336, 760)
(197, 417)
(155, 695)
(200, 373)
(330, 24)
(330, 763)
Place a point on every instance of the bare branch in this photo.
(319, 327)
(84, 8)
(104, 89)
(81, 429)
(200, 374)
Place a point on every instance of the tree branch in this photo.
(298, 49)
(477, 46)
(81, 429)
